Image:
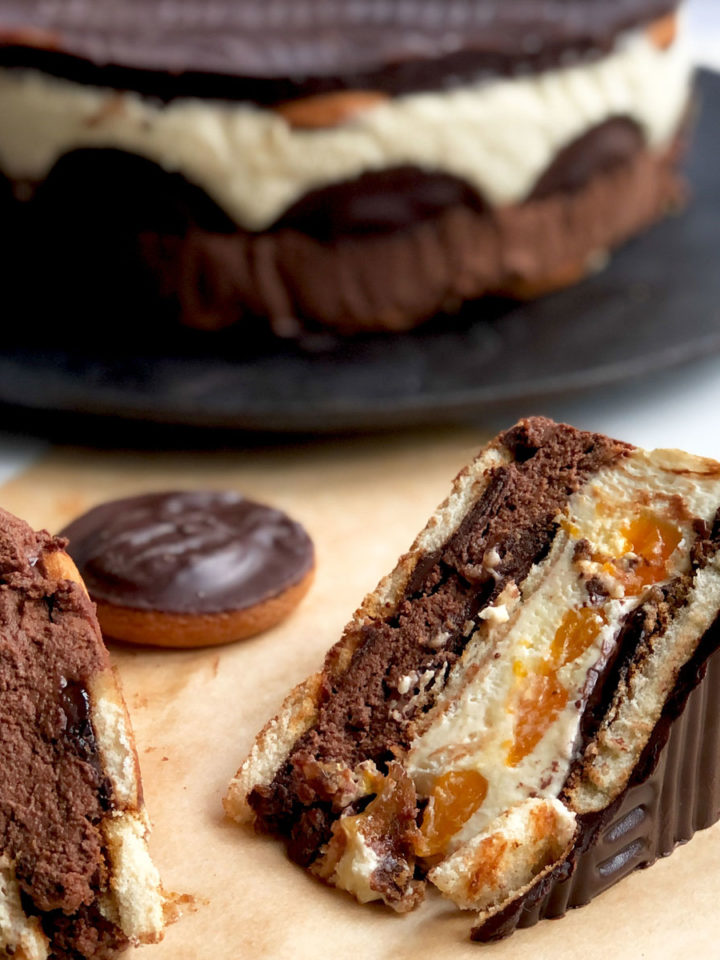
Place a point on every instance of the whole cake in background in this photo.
(352, 166)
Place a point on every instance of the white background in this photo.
(704, 17)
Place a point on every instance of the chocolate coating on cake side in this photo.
(53, 793)
(674, 792)
(188, 552)
(282, 49)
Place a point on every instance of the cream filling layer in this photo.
(498, 135)
(476, 731)
(356, 867)
(20, 936)
(473, 724)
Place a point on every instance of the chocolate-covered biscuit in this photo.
(280, 50)
(190, 568)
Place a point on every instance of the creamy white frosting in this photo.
(356, 866)
(499, 135)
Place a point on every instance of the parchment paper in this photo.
(195, 715)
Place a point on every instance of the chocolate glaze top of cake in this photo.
(188, 552)
(281, 49)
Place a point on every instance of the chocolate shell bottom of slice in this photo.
(501, 715)
(675, 793)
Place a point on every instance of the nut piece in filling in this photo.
(190, 569)
(76, 878)
(495, 708)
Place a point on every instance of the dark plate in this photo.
(656, 305)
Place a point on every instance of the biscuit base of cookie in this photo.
(156, 628)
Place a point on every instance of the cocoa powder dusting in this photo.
(52, 791)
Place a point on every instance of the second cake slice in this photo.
(76, 878)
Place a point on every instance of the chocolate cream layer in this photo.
(497, 134)
(517, 691)
(53, 793)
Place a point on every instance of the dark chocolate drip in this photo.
(360, 713)
(274, 51)
(188, 552)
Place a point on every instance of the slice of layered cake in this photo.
(76, 878)
(515, 714)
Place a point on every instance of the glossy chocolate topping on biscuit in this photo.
(188, 552)
(282, 49)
